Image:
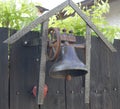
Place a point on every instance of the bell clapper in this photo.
(68, 77)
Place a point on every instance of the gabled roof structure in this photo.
(52, 12)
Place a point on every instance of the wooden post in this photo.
(41, 83)
(88, 60)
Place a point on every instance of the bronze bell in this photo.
(68, 64)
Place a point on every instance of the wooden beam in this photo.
(35, 23)
(88, 61)
(93, 27)
(41, 82)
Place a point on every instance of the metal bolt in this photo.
(81, 91)
(25, 42)
(17, 93)
(57, 91)
(8, 57)
(115, 89)
(104, 90)
(96, 91)
(72, 92)
(37, 59)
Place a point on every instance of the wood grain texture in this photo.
(55, 98)
(4, 76)
(96, 86)
(75, 89)
(115, 75)
(75, 94)
(101, 93)
(43, 59)
(105, 74)
(24, 69)
(88, 64)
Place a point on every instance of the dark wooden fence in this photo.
(20, 74)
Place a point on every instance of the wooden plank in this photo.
(93, 27)
(88, 62)
(35, 23)
(114, 61)
(100, 77)
(24, 70)
(40, 95)
(75, 89)
(55, 98)
(75, 93)
(24, 75)
(95, 86)
(115, 73)
(4, 76)
(105, 77)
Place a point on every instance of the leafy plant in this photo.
(16, 14)
(96, 13)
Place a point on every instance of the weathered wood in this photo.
(55, 98)
(4, 75)
(93, 27)
(75, 93)
(95, 95)
(75, 96)
(24, 71)
(114, 62)
(105, 77)
(40, 95)
(116, 76)
(36, 22)
(44, 17)
(88, 64)
(100, 76)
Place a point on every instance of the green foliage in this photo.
(16, 13)
(96, 13)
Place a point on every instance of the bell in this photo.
(68, 64)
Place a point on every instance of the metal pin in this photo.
(57, 91)
(96, 91)
(72, 92)
(17, 93)
(8, 57)
(25, 42)
(37, 59)
(104, 90)
(115, 89)
(81, 91)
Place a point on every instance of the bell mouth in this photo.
(68, 64)
(72, 73)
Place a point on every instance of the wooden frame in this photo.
(42, 19)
